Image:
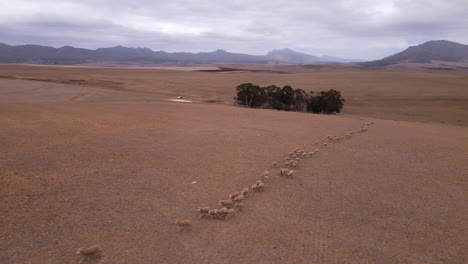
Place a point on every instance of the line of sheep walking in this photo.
(235, 203)
(229, 207)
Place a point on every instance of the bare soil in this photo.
(115, 167)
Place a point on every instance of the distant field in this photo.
(427, 96)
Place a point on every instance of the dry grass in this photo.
(427, 96)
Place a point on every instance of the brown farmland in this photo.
(99, 157)
(424, 96)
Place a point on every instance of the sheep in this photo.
(286, 163)
(290, 153)
(238, 206)
(203, 211)
(266, 173)
(184, 224)
(229, 213)
(304, 155)
(284, 171)
(239, 198)
(234, 195)
(89, 252)
(245, 191)
(290, 173)
(294, 164)
(258, 187)
(226, 203)
(325, 144)
(213, 213)
(265, 178)
(311, 154)
(274, 164)
(317, 150)
(222, 213)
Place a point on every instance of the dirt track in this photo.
(120, 173)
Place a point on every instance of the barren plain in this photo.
(100, 156)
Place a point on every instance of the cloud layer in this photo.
(366, 29)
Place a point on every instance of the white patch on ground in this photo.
(180, 100)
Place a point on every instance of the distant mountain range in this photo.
(70, 55)
(437, 50)
(440, 50)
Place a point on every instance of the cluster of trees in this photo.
(289, 99)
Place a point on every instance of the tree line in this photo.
(289, 99)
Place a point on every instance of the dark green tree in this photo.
(283, 99)
(299, 100)
(250, 95)
(333, 101)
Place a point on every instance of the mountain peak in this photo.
(291, 56)
(440, 50)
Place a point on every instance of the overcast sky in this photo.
(366, 29)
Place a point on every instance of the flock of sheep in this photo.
(229, 207)
(235, 203)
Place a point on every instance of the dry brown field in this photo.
(416, 95)
(99, 156)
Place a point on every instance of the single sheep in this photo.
(213, 213)
(89, 252)
(238, 206)
(203, 211)
(222, 213)
(184, 224)
(234, 195)
(245, 191)
(239, 198)
(274, 163)
(226, 203)
(230, 213)
(284, 171)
